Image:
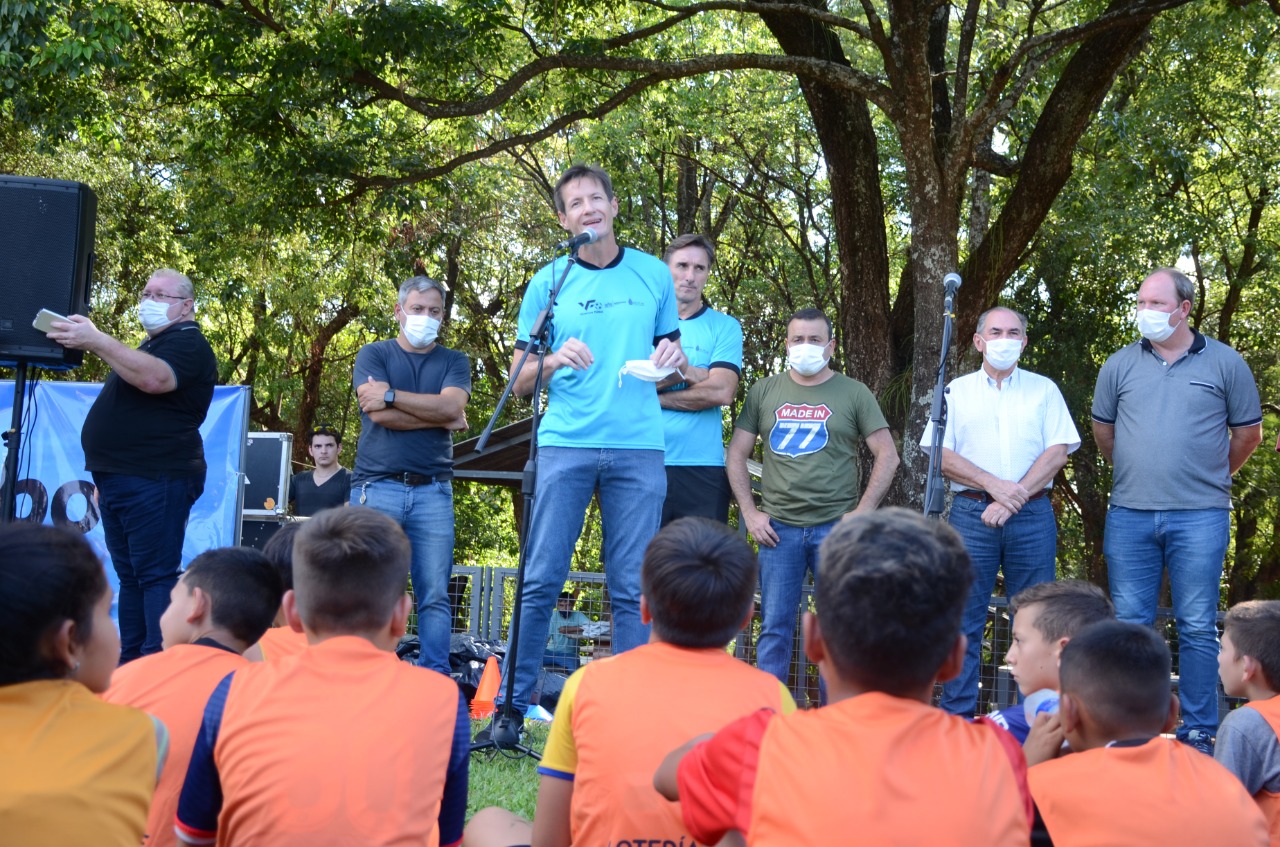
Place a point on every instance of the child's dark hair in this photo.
(890, 591)
(47, 577)
(699, 579)
(350, 568)
(1254, 627)
(279, 552)
(244, 591)
(1120, 673)
(1066, 606)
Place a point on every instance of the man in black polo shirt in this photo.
(329, 485)
(142, 444)
(413, 393)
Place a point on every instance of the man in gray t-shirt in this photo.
(1178, 414)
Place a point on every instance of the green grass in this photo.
(498, 780)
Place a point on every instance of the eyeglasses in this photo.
(155, 295)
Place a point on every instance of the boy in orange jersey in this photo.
(220, 605)
(280, 639)
(341, 743)
(1249, 666)
(618, 716)
(878, 764)
(1126, 784)
(1045, 616)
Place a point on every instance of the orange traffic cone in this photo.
(482, 704)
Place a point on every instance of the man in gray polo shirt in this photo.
(1178, 414)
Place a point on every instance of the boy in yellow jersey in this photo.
(618, 716)
(878, 764)
(1126, 785)
(341, 743)
(1249, 666)
(221, 605)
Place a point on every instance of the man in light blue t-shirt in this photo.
(693, 402)
(602, 431)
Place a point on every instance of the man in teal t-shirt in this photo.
(601, 431)
(811, 420)
(693, 402)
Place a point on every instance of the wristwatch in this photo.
(390, 397)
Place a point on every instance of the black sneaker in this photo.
(1198, 739)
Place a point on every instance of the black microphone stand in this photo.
(505, 730)
(935, 484)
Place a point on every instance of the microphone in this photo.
(587, 236)
(950, 284)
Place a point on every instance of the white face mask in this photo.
(807, 359)
(1154, 324)
(644, 369)
(420, 330)
(153, 315)
(1003, 353)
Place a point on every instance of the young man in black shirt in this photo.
(329, 485)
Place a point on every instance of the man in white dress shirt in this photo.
(1008, 432)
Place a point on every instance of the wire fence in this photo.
(483, 599)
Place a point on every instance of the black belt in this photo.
(984, 497)
(413, 480)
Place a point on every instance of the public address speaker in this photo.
(47, 228)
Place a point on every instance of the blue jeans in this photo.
(632, 485)
(782, 572)
(1139, 545)
(144, 521)
(425, 513)
(1025, 548)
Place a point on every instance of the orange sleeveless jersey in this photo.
(622, 715)
(1160, 792)
(73, 770)
(341, 744)
(871, 769)
(173, 685)
(281, 641)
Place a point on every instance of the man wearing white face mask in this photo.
(1008, 432)
(1178, 413)
(413, 394)
(811, 420)
(142, 443)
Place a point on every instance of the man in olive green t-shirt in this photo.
(811, 420)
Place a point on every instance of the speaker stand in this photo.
(13, 443)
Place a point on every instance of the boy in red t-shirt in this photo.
(879, 764)
(1127, 784)
(341, 743)
(221, 605)
(618, 716)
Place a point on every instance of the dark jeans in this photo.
(144, 521)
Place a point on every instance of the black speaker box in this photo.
(47, 229)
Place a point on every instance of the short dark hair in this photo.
(890, 592)
(1120, 673)
(1066, 606)
(47, 576)
(1254, 627)
(324, 429)
(243, 588)
(813, 315)
(279, 552)
(580, 171)
(699, 579)
(350, 568)
(691, 239)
